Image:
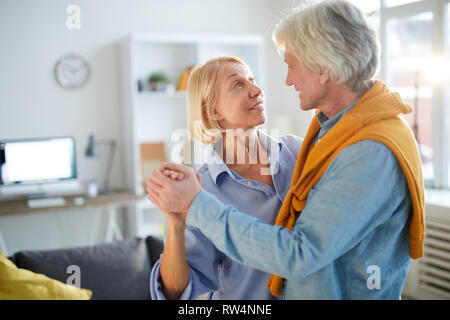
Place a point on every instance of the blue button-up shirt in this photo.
(351, 240)
(210, 270)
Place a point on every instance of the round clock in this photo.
(72, 71)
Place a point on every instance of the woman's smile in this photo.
(258, 106)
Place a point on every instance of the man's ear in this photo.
(324, 78)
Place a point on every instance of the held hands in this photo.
(173, 188)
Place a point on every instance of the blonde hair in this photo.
(202, 95)
(332, 37)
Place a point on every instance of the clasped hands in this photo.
(172, 188)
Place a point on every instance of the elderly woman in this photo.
(354, 215)
(245, 166)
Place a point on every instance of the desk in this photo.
(111, 202)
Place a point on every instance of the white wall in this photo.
(34, 36)
(284, 103)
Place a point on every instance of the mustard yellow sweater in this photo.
(376, 116)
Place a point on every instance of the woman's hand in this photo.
(173, 188)
(174, 220)
(174, 175)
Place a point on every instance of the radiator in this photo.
(429, 277)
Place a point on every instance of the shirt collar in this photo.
(327, 123)
(215, 163)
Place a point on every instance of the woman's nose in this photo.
(255, 90)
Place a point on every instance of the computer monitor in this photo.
(38, 166)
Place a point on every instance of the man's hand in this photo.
(174, 175)
(175, 192)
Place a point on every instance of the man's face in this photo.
(310, 85)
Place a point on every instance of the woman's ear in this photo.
(217, 116)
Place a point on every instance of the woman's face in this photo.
(240, 103)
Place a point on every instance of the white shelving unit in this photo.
(150, 116)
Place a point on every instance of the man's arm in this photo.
(360, 190)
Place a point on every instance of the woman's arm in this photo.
(174, 268)
(202, 260)
(188, 265)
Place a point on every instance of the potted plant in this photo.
(157, 81)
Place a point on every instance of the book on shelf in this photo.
(183, 79)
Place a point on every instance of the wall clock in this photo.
(72, 71)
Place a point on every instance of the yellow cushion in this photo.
(22, 284)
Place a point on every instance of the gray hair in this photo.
(332, 37)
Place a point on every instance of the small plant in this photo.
(157, 77)
(157, 81)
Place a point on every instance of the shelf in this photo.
(208, 38)
(161, 116)
(163, 94)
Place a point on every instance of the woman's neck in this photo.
(243, 153)
(241, 147)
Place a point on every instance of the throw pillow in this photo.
(21, 284)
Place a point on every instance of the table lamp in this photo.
(93, 150)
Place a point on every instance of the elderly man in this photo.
(354, 215)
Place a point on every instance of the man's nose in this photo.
(288, 81)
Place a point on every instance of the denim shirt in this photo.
(351, 241)
(210, 270)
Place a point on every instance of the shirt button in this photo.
(249, 183)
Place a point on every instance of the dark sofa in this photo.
(113, 271)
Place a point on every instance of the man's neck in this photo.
(339, 97)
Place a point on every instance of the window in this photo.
(415, 61)
(408, 73)
(367, 6)
(447, 101)
(394, 3)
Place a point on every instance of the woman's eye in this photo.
(238, 84)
